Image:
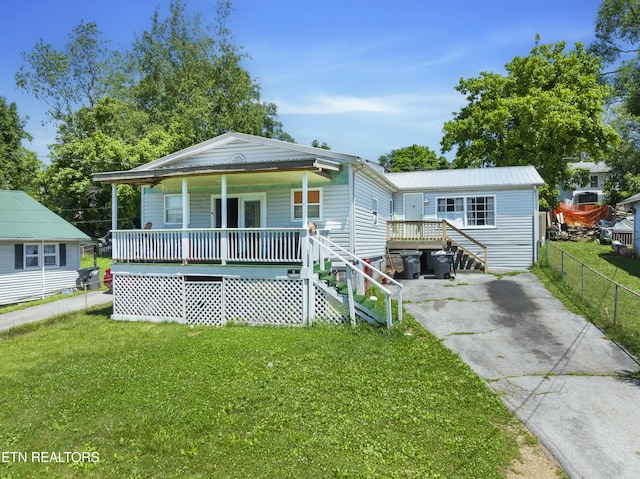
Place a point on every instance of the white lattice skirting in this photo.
(214, 302)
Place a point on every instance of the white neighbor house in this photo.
(230, 237)
(39, 251)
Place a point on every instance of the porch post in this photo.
(223, 219)
(114, 207)
(305, 199)
(185, 221)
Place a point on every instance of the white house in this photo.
(230, 235)
(593, 192)
(39, 251)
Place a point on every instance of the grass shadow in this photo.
(626, 263)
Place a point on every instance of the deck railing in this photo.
(246, 245)
(437, 231)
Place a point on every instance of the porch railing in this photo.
(247, 245)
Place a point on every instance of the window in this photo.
(467, 211)
(37, 255)
(31, 255)
(480, 211)
(452, 210)
(594, 181)
(173, 209)
(314, 204)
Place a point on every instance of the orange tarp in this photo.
(583, 215)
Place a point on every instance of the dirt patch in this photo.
(536, 463)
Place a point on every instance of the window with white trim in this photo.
(468, 211)
(173, 209)
(34, 255)
(314, 204)
(31, 255)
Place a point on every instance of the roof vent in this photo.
(238, 158)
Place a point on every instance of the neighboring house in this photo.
(591, 193)
(633, 203)
(39, 251)
(230, 235)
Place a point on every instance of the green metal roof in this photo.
(22, 217)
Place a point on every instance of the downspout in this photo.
(536, 224)
(352, 206)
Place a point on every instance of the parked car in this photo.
(104, 248)
(107, 279)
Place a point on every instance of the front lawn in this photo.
(167, 400)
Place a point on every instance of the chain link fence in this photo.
(615, 304)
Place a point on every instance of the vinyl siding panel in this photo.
(370, 238)
(23, 285)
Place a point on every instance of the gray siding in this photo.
(23, 285)
(371, 239)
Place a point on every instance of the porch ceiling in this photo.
(242, 173)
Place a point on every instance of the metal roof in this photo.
(467, 178)
(22, 217)
(631, 200)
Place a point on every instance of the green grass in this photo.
(85, 262)
(167, 400)
(619, 318)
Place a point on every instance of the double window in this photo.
(314, 204)
(468, 211)
(37, 255)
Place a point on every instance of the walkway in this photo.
(553, 369)
(55, 308)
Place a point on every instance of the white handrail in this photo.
(332, 247)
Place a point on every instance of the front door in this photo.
(243, 211)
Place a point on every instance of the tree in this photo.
(546, 109)
(618, 45)
(181, 83)
(19, 167)
(323, 145)
(624, 161)
(412, 158)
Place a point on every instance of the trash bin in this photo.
(411, 264)
(89, 277)
(442, 261)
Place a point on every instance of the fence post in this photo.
(615, 307)
(582, 264)
(546, 251)
(562, 264)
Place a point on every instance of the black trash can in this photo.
(411, 264)
(89, 277)
(442, 261)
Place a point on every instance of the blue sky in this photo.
(365, 77)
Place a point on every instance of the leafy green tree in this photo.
(624, 161)
(548, 107)
(178, 85)
(19, 167)
(323, 145)
(413, 158)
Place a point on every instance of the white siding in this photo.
(23, 285)
(370, 238)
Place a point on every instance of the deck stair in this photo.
(342, 275)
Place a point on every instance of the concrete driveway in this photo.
(554, 370)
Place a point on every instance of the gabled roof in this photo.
(232, 153)
(468, 178)
(22, 217)
(631, 200)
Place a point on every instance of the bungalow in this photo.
(39, 251)
(259, 230)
